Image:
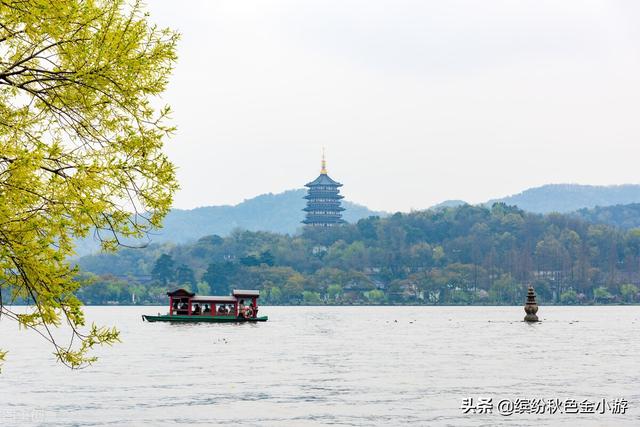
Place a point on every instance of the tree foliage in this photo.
(164, 269)
(80, 149)
(623, 216)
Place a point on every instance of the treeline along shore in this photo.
(460, 255)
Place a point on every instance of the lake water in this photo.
(361, 366)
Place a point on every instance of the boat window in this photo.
(180, 306)
(225, 309)
(196, 309)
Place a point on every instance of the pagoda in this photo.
(323, 201)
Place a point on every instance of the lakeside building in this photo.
(323, 201)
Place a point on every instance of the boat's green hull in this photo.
(200, 319)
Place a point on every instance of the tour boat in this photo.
(185, 306)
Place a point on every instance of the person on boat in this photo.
(196, 309)
(241, 306)
(222, 309)
(207, 309)
(182, 308)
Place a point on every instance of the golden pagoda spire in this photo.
(323, 171)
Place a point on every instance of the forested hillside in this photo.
(623, 216)
(461, 255)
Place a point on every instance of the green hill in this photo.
(623, 216)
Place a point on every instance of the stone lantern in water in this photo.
(531, 306)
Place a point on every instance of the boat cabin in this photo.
(241, 303)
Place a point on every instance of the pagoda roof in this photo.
(323, 179)
(325, 207)
(324, 195)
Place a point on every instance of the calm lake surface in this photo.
(331, 366)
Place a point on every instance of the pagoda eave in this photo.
(327, 195)
(331, 209)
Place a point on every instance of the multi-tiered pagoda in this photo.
(323, 201)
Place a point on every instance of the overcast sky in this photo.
(415, 101)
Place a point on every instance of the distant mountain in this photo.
(566, 198)
(623, 216)
(448, 204)
(282, 213)
(279, 213)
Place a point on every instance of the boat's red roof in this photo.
(212, 298)
(180, 293)
(237, 293)
(246, 293)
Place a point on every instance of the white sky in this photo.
(415, 101)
